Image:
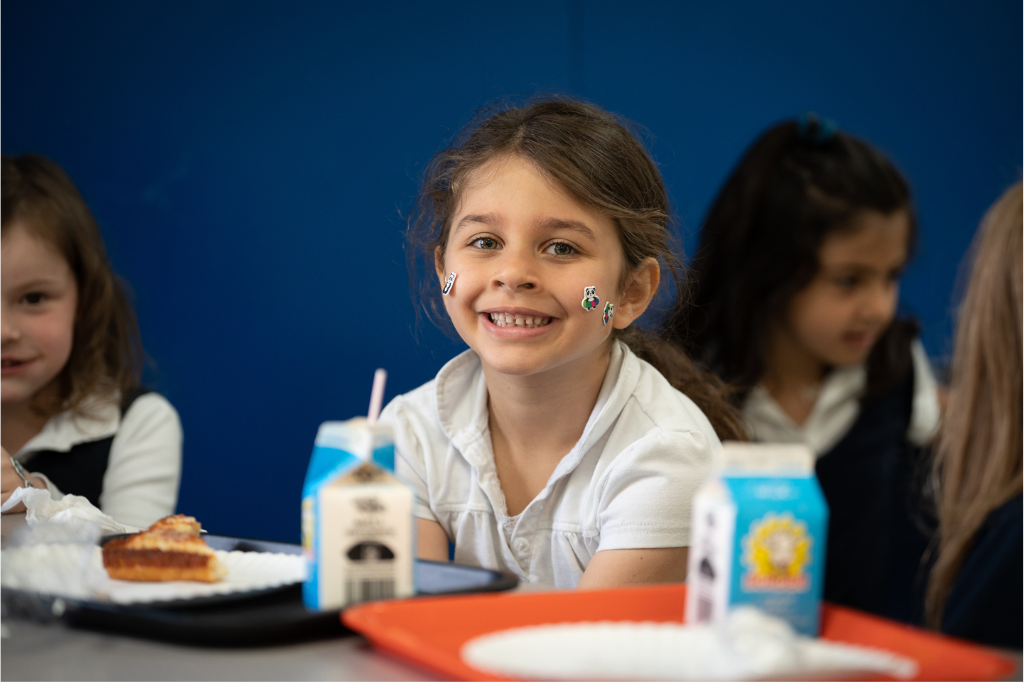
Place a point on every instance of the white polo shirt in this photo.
(626, 484)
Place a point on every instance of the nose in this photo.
(879, 304)
(516, 270)
(8, 330)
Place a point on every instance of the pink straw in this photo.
(377, 395)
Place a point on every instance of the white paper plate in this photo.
(76, 571)
(671, 651)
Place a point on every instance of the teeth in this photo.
(510, 320)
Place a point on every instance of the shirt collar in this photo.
(834, 412)
(67, 429)
(462, 406)
(838, 405)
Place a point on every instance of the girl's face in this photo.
(524, 250)
(836, 319)
(38, 299)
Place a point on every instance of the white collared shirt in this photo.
(626, 484)
(143, 472)
(837, 408)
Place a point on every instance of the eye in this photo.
(561, 249)
(485, 243)
(847, 282)
(34, 298)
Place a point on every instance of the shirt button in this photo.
(521, 545)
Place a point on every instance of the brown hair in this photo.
(594, 156)
(106, 355)
(978, 458)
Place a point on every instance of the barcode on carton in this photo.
(368, 590)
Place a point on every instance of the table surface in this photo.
(38, 650)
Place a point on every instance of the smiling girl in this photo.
(74, 416)
(554, 448)
(794, 296)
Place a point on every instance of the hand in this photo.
(10, 480)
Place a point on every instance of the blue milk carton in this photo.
(357, 523)
(758, 537)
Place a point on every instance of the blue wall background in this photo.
(250, 164)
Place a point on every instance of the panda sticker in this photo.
(609, 312)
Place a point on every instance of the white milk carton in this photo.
(759, 534)
(357, 523)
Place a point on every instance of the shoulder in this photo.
(150, 415)
(422, 418)
(444, 402)
(925, 411)
(658, 430)
(419, 404)
(654, 402)
(150, 406)
(1005, 524)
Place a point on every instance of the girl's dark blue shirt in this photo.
(986, 603)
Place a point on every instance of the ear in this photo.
(638, 294)
(439, 265)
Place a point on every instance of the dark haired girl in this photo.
(793, 302)
(73, 411)
(554, 448)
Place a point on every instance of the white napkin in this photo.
(748, 645)
(71, 511)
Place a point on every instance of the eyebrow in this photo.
(574, 225)
(38, 282)
(490, 219)
(858, 268)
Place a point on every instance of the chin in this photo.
(842, 360)
(514, 367)
(12, 398)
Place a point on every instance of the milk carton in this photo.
(357, 524)
(759, 533)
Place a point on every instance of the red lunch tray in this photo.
(431, 631)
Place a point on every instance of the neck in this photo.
(788, 365)
(18, 424)
(545, 413)
(792, 376)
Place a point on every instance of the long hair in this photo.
(106, 354)
(593, 155)
(978, 457)
(798, 183)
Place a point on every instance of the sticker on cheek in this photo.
(609, 312)
(590, 299)
(448, 284)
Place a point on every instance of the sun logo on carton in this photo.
(776, 552)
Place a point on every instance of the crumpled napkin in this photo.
(74, 512)
(750, 644)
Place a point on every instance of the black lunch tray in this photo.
(276, 615)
